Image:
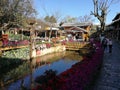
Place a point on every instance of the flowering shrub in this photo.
(15, 43)
(79, 76)
(48, 45)
(63, 42)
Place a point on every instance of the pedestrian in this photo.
(101, 38)
(110, 44)
(104, 43)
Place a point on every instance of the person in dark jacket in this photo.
(110, 45)
(104, 44)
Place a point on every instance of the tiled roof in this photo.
(116, 17)
(77, 29)
(77, 24)
(114, 22)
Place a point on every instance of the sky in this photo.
(74, 8)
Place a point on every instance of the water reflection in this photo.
(56, 61)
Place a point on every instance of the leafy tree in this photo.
(53, 19)
(47, 18)
(50, 19)
(14, 12)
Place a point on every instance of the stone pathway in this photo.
(109, 78)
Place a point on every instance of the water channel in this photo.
(56, 61)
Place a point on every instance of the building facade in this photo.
(114, 27)
(83, 29)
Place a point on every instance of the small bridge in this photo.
(76, 45)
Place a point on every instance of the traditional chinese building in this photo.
(114, 27)
(83, 29)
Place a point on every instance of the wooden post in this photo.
(32, 41)
(22, 34)
(32, 48)
(45, 36)
(31, 44)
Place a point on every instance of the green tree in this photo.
(50, 19)
(14, 12)
(47, 19)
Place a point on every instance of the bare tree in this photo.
(86, 18)
(69, 19)
(51, 16)
(57, 14)
(101, 9)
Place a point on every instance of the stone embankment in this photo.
(58, 48)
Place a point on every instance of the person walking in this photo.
(110, 44)
(104, 43)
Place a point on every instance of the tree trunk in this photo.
(102, 26)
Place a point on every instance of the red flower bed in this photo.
(48, 45)
(79, 76)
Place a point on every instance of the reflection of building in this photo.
(83, 29)
(114, 27)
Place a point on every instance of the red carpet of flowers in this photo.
(79, 76)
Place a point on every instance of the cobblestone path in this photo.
(109, 78)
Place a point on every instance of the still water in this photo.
(55, 61)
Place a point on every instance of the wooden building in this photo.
(83, 29)
(114, 28)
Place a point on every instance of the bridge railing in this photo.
(76, 45)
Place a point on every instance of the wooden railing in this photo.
(76, 45)
(12, 47)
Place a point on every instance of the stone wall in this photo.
(45, 51)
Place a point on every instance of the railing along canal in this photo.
(76, 45)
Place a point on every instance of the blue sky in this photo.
(74, 8)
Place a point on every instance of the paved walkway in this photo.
(109, 78)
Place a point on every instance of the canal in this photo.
(56, 61)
